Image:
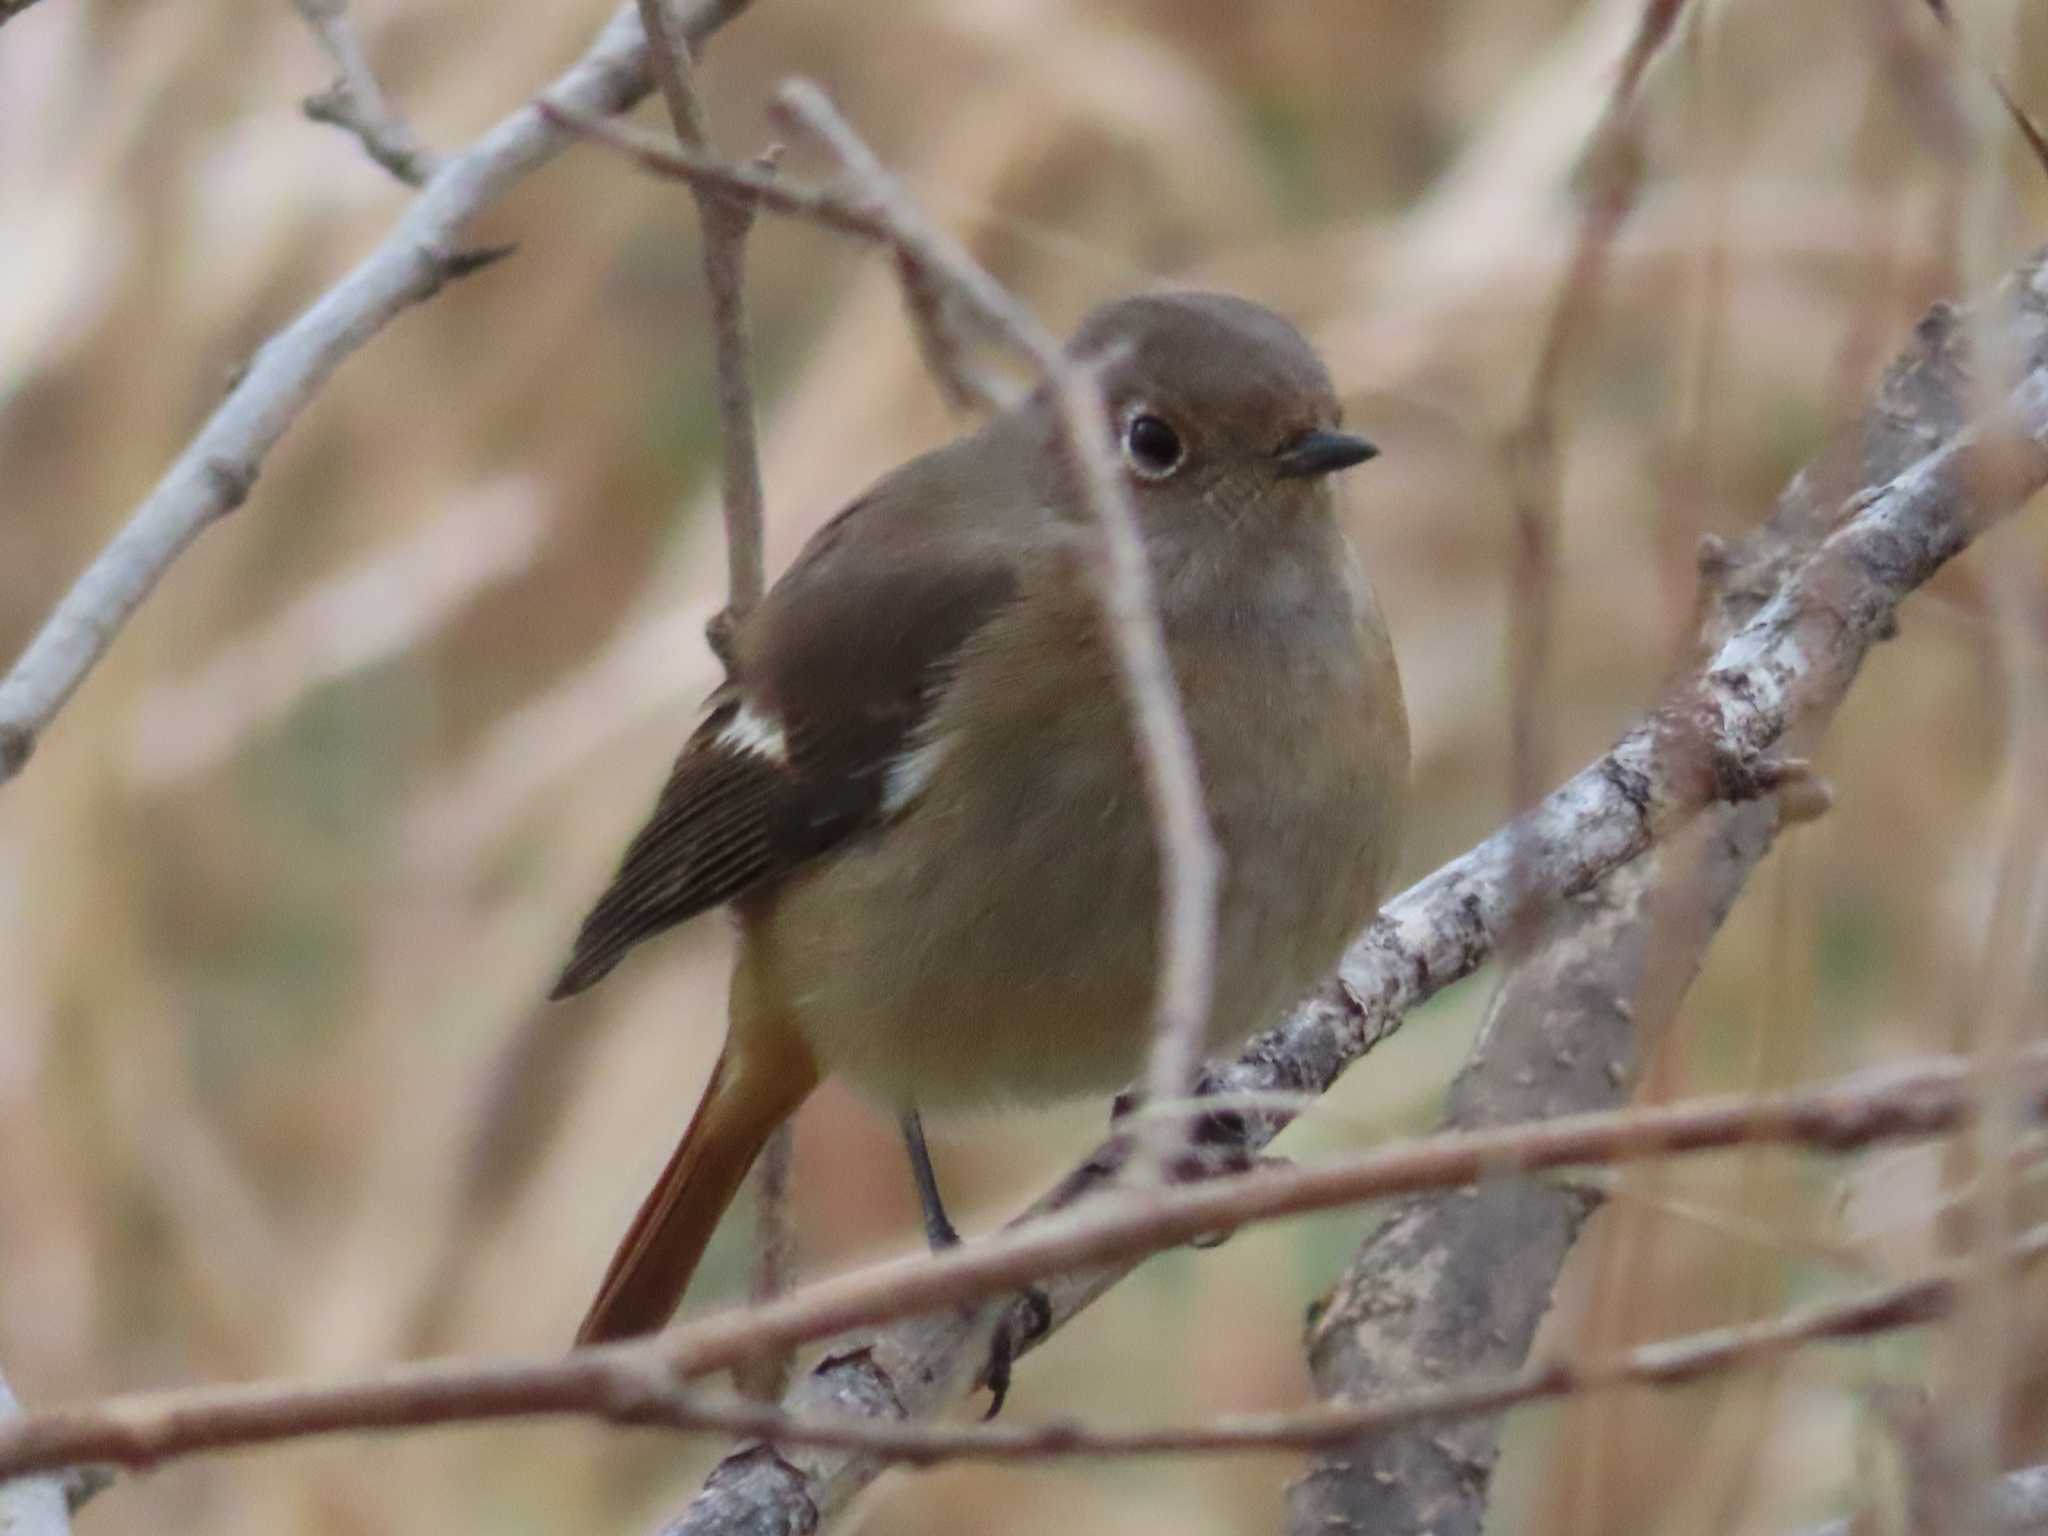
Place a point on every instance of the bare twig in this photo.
(633, 1384)
(846, 212)
(355, 102)
(218, 468)
(726, 221)
(928, 257)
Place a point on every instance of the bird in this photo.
(920, 791)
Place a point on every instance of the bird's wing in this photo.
(833, 672)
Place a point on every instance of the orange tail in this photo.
(751, 1092)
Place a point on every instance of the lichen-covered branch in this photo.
(1452, 1286)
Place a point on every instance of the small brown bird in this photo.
(920, 790)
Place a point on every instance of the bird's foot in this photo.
(1027, 1318)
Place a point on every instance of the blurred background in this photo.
(279, 892)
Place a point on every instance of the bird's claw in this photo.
(1026, 1319)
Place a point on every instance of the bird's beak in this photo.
(1314, 454)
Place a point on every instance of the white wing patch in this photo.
(909, 774)
(753, 732)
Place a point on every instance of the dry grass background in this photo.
(278, 893)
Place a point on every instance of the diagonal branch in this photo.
(355, 102)
(1531, 447)
(1594, 994)
(217, 470)
(1452, 1285)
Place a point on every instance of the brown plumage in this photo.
(843, 658)
(920, 791)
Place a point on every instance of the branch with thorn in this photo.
(355, 102)
(219, 467)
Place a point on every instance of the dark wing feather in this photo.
(846, 656)
(705, 841)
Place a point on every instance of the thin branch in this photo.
(9, 9)
(643, 1381)
(845, 212)
(945, 289)
(356, 103)
(219, 467)
(726, 220)
(1189, 864)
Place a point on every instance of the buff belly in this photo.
(1000, 946)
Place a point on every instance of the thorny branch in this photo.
(218, 469)
(355, 102)
(646, 1381)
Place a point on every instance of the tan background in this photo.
(279, 891)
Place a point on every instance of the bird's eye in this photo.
(1152, 446)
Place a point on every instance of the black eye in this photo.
(1152, 446)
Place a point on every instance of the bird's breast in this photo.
(997, 939)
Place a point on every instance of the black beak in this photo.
(1314, 454)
